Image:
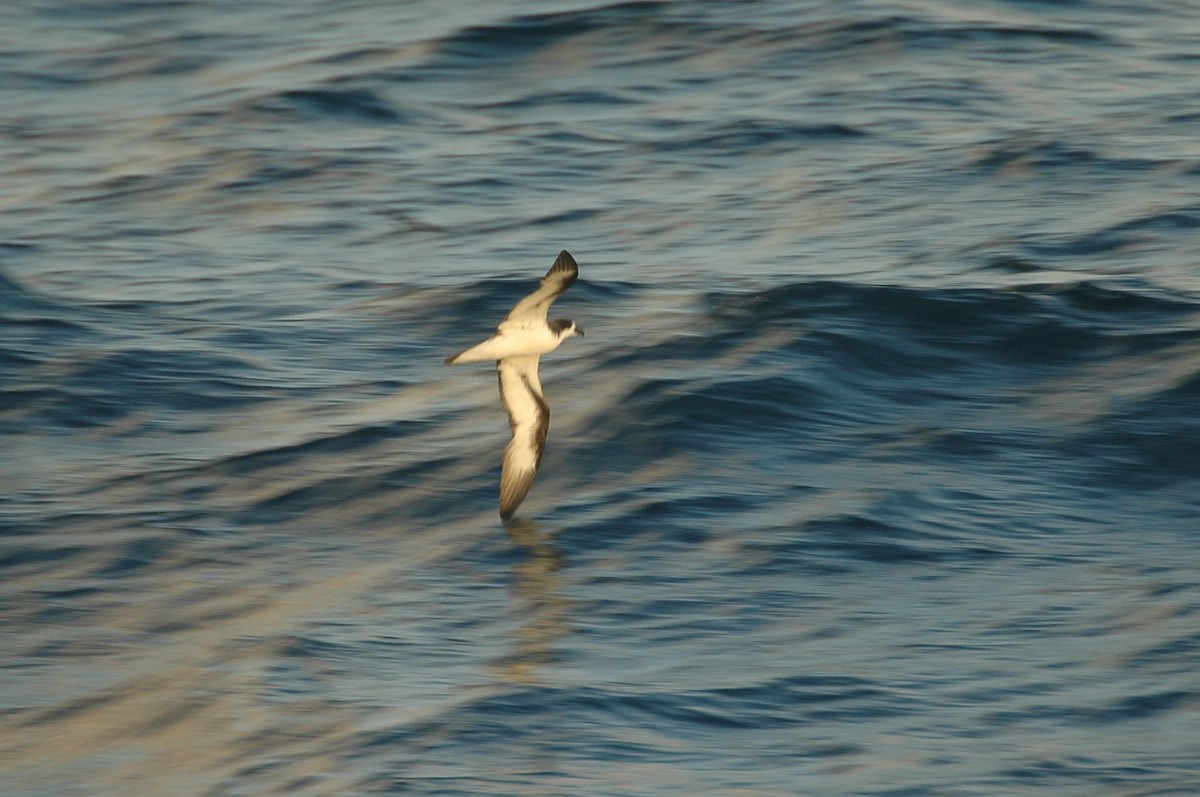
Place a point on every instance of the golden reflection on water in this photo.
(1092, 391)
(184, 708)
(167, 683)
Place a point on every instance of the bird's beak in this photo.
(578, 331)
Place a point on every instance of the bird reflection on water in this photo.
(536, 600)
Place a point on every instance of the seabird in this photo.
(520, 340)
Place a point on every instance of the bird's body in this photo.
(520, 340)
(512, 339)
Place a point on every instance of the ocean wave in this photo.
(882, 433)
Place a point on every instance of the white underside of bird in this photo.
(512, 339)
(520, 340)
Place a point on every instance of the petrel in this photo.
(520, 340)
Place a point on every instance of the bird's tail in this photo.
(478, 353)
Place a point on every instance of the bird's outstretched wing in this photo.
(529, 417)
(561, 276)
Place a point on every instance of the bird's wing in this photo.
(561, 276)
(529, 417)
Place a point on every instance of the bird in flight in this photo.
(520, 340)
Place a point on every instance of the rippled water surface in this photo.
(878, 471)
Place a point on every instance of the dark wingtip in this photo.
(450, 360)
(565, 262)
(565, 269)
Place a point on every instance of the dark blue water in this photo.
(878, 471)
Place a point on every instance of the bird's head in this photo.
(565, 328)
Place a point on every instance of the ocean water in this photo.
(877, 473)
